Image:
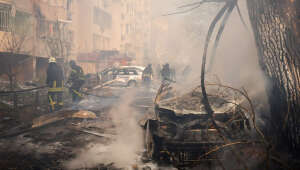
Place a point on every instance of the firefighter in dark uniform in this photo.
(55, 78)
(147, 75)
(76, 79)
(166, 72)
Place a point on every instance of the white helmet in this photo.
(52, 60)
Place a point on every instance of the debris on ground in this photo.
(182, 133)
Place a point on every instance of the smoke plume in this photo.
(124, 149)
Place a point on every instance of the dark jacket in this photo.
(76, 74)
(166, 73)
(54, 73)
(147, 72)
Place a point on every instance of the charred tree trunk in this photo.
(275, 25)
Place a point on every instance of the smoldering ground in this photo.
(125, 146)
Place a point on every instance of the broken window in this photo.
(5, 17)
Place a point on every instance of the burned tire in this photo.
(151, 144)
(132, 83)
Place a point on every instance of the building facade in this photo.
(37, 29)
(74, 30)
(135, 28)
(105, 26)
(92, 28)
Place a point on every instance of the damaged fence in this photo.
(13, 101)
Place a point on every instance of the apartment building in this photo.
(30, 32)
(135, 28)
(103, 27)
(95, 33)
(92, 28)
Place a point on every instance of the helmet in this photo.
(72, 63)
(52, 60)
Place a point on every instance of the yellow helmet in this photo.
(52, 60)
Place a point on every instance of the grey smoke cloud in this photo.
(126, 145)
(181, 44)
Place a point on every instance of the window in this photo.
(102, 18)
(122, 72)
(127, 28)
(51, 29)
(132, 72)
(70, 35)
(22, 23)
(97, 44)
(43, 28)
(110, 73)
(5, 17)
(106, 43)
(100, 42)
(69, 9)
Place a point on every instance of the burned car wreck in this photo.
(181, 132)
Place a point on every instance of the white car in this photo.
(122, 76)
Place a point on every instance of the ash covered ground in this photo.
(99, 133)
(95, 134)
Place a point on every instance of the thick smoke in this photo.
(126, 145)
(179, 40)
(236, 62)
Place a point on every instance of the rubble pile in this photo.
(51, 139)
(182, 126)
(5, 85)
(224, 101)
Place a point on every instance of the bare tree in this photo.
(13, 44)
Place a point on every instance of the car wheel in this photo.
(150, 143)
(131, 83)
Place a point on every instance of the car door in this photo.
(107, 75)
(133, 75)
(121, 77)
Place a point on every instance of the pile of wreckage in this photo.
(181, 132)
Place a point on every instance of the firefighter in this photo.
(55, 78)
(166, 72)
(76, 80)
(158, 72)
(147, 75)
